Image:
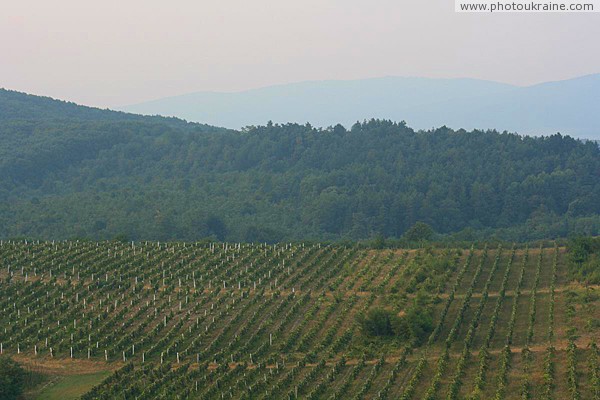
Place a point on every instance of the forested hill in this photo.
(68, 171)
(15, 106)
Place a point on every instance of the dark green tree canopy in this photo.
(419, 231)
(584, 254)
(12, 379)
(68, 171)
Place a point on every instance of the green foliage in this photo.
(201, 328)
(68, 171)
(414, 324)
(584, 254)
(572, 371)
(121, 238)
(418, 319)
(379, 322)
(419, 232)
(549, 372)
(378, 242)
(12, 379)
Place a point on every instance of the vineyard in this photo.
(256, 321)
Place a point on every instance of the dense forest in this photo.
(68, 171)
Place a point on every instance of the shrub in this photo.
(12, 379)
(415, 325)
(379, 322)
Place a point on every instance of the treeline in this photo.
(98, 174)
(584, 255)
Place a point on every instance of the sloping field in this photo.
(241, 321)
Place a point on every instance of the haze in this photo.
(113, 53)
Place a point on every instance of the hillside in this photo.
(98, 174)
(242, 321)
(17, 106)
(565, 106)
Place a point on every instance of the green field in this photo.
(67, 387)
(216, 320)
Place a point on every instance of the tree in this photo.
(418, 232)
(580, 249)
(378, 322)
(12, 379)
(378, 241)
(216, 227)
(584, 253)
(414, 325)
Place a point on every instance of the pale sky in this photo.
(111, 53)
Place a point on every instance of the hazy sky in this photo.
(112, 53)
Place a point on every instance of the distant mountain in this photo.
(569, 106)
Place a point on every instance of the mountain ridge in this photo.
(541, 109)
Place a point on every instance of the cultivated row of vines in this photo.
(259, 321)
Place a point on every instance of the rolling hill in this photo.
(68, 171)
